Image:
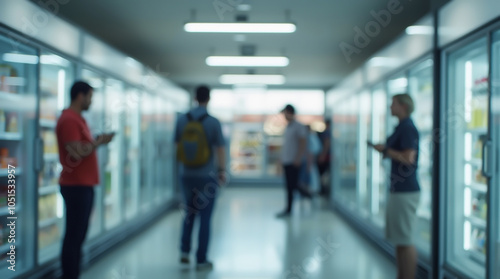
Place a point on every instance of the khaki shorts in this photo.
(401, 217)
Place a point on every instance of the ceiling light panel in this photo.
(240, 27)
(252, 79)
(247, 61)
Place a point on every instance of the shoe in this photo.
(204, 266)
(185, 258)
(283, 214)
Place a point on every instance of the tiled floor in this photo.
(248, 242)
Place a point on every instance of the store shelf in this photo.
(11, 101)
(47, 222)
(51, 157)
(11, 136)
(475, 162)
(483, 130)
(5, 172)
(478, 187)
(46, 190)
(46, 123)
(476, 221)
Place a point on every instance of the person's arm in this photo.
(407, 157)
(79, 150)
(221, 155)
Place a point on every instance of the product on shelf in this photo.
(3, 121)
(480, 178)
(49, 142)
(4, 155)
(7, 71)
(12, 125)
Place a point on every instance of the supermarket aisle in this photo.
(249, 242)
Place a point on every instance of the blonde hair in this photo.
(405, 99)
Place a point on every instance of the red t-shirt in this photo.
(71, 127)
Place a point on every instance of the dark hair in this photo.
(80, 87)
(202, 94)
(328, 122)
(289, 108)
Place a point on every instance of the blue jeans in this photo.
(200, 193)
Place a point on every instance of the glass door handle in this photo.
(487, 159)
(39, 155)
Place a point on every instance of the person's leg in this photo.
(190, 212)
(407, 261)
(289, 181)
(79, 202)
(207, 193)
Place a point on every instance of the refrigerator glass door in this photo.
(378, 169)
(18, 81)
(494, 223)
(346, 146)
(56, 79)
(420, 89)
(94, 118)
(131, 148)
(113, 171)
(147, 150)
(466, 121)
(365, 155)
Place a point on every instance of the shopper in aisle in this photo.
(402, 147)
(293, 155)
(77, 154)
(324, 159)
(199, 141)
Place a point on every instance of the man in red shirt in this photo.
(77, 153)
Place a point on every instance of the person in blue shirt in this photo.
(401, 213)
(200, 185)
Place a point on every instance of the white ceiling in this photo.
(152, 32)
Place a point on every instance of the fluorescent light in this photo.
(51, 59)
(240, 27)
(419, 30)
(252, 79)
(251, 61)
(380, 61)
(20, 58)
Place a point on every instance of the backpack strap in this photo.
(203, 117)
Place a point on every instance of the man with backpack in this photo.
(200, 149)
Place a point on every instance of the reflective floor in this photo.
(248, 242)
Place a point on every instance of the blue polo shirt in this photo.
(404, 177)
(215, 139)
